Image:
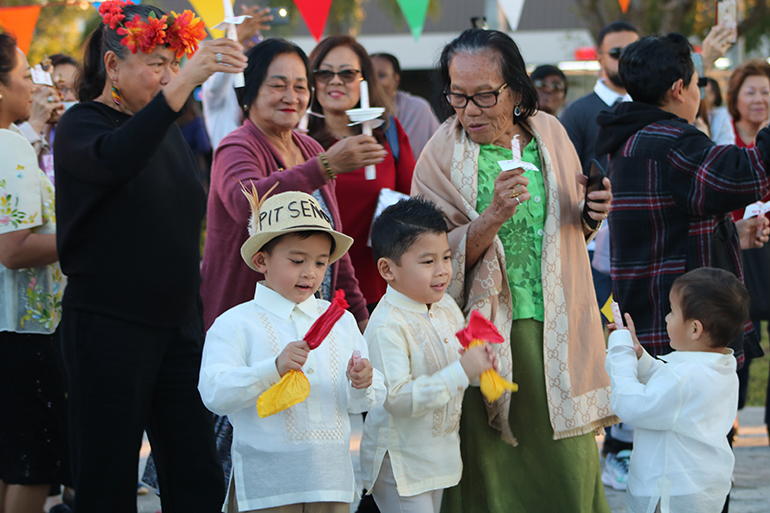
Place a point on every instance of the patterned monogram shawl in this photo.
(573, 343)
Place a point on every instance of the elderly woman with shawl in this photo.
(519, 250)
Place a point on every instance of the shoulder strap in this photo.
(391, 134)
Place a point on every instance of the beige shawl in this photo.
(577, 384)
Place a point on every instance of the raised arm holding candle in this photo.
(347, 102)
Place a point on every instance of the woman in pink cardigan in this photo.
(266, 151)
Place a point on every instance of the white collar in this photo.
(607, 95)
(725, 358)
(278, 305)
(400, 300)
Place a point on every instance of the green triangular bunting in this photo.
(414, 12)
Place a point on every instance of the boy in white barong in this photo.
(683, 404)
(297, 460)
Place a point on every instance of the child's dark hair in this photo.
(399, 225)
(717, 299)
(304, 234)
(650, 66)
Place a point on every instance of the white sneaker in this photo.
(615, 472)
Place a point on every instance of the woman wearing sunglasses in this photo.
(339, 64)
(267, 152)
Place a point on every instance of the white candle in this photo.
(232, 33)
(364, 94)
(370, 171)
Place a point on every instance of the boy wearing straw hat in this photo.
(299, 458)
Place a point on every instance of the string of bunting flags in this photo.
(21, 20)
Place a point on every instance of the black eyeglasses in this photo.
(482, 100)
(556, 86)
(615, 53)
(346, 75)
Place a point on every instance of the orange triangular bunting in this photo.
(624, 5)
(20, 21)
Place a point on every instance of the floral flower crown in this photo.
(181, 33)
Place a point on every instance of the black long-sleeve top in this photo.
(129, 208)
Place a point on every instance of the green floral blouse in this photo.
(521, 235)
(30, 298)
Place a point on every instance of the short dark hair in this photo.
(399, 226)
(512, 67)
(549, 70)
(717, 299)
(390, 57)
(90, 82)
(260, 57)
(59, 59)
(616, 26)
(7, 57)
(304, 234)
(650, 66)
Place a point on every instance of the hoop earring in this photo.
(517, 110)
(116, 96)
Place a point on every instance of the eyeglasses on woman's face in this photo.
(483, 100)
(346, 75)
(551, 86)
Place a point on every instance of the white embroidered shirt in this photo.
(301, 454)
(681, 411)
(417, 351)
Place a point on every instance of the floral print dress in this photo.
(30, 298)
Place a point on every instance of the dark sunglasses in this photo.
(555, 86)
(346, 75)
(615, 53)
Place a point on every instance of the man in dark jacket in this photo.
(672, 186)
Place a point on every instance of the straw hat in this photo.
(284, 213)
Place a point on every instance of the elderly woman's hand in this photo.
(220, 55)
(599, 202)
(510, 192)
(354, 153)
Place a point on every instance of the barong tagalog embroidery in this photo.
(294, 387)
(516, 162)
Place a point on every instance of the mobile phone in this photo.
(697, 60)
(727, 15)
(596, 176)
(280, 16)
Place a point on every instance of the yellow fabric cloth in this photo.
(292, 389)
(492, 384)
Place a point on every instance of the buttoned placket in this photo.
(303, 323)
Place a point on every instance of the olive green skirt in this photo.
(541, 474)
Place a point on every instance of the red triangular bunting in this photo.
(20, 21)
(315, 13)
(624, 5)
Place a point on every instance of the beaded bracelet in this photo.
(327, 168)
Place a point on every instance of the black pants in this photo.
(125, 378)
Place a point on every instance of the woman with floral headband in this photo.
(130, 207)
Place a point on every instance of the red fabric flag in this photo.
(315, 13)
(324, 324)
(624, 5)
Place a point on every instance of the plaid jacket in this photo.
(671, 185)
